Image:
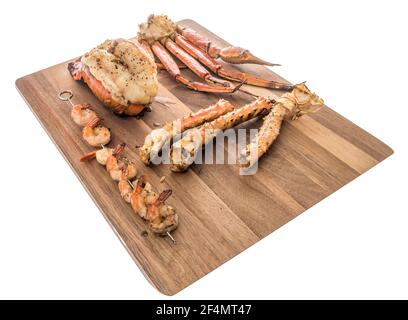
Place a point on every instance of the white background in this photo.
(54, 243)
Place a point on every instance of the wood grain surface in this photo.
(221, 213)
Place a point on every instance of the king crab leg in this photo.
(184, 151)
(160, 66)
(195, 66)
(291, 105)
(156, 139)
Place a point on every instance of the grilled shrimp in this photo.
(95, 134)
(162, 217)
(101, 155)
(114, 164)
(137, 198)
(125, 185)
(82, 114)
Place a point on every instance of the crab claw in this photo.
(237, 55)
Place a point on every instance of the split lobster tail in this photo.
(80, 71)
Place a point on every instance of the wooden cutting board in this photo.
(221, 213)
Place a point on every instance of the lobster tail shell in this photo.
(80, 72)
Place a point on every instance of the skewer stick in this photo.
(66, 95)
(171, 237)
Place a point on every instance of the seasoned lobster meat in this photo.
(120, 73)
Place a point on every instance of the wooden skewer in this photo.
(171, 237)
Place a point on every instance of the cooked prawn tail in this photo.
(164, 196)
(94, 122)
(84, 106)
(142, 179)
(88, 156)
(141, 183)
(125, 173)
(119, 149)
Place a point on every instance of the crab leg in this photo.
(160, 66)
(80, 71)
(235, 55)
(156, 139)
(194, 65)
(230, 74)
(174, 71)
(291, 105)
(184, 151)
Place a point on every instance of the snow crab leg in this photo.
(164, 38)
(229, 74)
(231, 54)
(174, 71)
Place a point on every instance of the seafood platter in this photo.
(192, 148)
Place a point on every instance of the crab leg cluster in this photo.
(164, 38)
(184, 151)
(206, 124)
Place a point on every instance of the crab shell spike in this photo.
(237, 55)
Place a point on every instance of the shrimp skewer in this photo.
(139, 193)
(162, 218)
(184, 151)
(95, 134)
(290, 105)
(155, 141)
